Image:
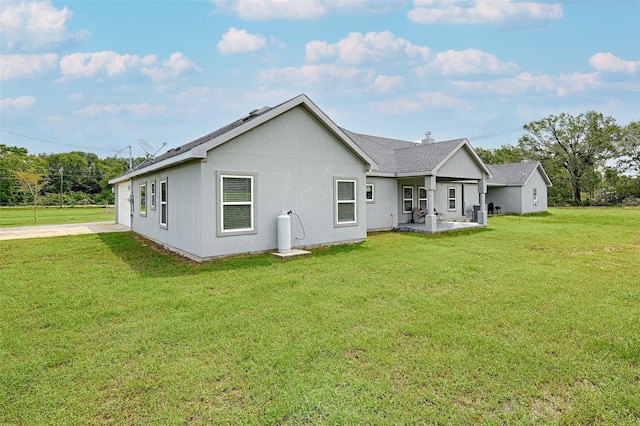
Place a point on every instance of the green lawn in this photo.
(534, 320)
(19, 216)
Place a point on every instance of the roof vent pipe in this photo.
(427, 138)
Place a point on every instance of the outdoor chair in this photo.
(419, 213)
(439, 215)
(490, 208)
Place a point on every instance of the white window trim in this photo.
(373, 193)
(152, 193)
(164, 204)
(454, 198)
(143, 199)
(535, 196)
(253, 229)
(426, 194)
(336, 202)
(407, 199)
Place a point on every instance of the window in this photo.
(345, 196)
(407, 199)
(163, 204)
(369, 189)
(237, 208)
(452, 198)
(152, 195)
(422, 197)
(535, 196)
(143, 199)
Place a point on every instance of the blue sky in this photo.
(100, 75)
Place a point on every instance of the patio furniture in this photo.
(491, 209)
(420, 213)
(498, 209)
(439, 215)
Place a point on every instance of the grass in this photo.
(534, 320)
(21, 216)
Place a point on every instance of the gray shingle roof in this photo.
(511, 174)
(203, 139)
(398, 156)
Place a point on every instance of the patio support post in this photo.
(482, 190)
(431, 220)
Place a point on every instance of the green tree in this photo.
(576, 144)
(503, 155)
(31, 178)
(11, 157)
(629, 148)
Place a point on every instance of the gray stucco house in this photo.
(222, 193)
(517, 188)
(447, 179)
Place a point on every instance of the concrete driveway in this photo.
(59, 230)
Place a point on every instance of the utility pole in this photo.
(61, 170)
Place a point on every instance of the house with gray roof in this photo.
(517, 188)
(447, 180)
(287, 177)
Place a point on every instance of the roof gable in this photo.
(397, 157)
(197, 149)
(515, 174)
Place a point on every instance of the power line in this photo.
(60, 143)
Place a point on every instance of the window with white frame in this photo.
(143, 199)
(237, 203)
(422, 197)
(370, 194)
(345, 202)
(152, 195)
(407, 199)
(535, 196)
(451, 192)
(164, 204)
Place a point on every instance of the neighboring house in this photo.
(221, 194)
(448, 179)
(517, 188)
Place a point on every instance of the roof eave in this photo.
(172, 161)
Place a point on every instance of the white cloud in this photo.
(138, 110)
(25, 65)
(465, 62)
(76, 96)
(237, 41)
(438, 100)
(22, 102)
(611, 63)
(482, 12)
(177, 65)
(256, 10)
(387, 84)
(28, 26)
(396, 107)
(524, 83)
(359, 48)
(91, 63)
(320, 76)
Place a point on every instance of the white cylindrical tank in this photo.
(284, 232)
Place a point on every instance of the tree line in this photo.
(73, 178)
(590, 159)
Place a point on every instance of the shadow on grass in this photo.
(149, 258)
